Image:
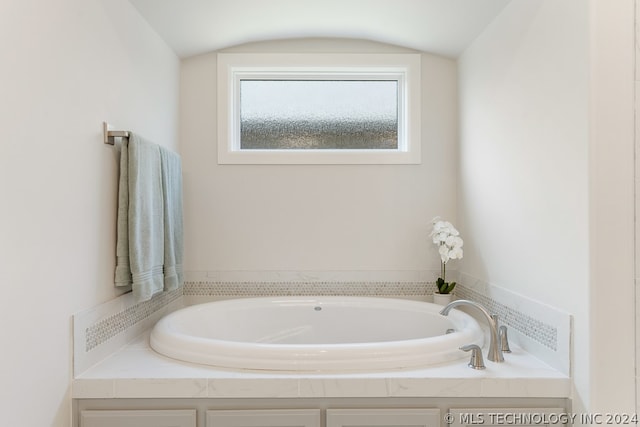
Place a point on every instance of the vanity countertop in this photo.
(136, 371)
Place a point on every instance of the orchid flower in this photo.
(449, 243)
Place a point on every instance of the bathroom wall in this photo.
(318, 217)
(546, 171)
(637, 196)
(66, 67)
(611, 210)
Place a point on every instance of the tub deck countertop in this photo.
(136, 371)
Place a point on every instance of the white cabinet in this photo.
(264, 418)
(419, 414)
(405, 417)
(138, 418)
(538, 417)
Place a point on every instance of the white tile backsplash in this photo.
(118, 322)
(540, 329)
(101, 330)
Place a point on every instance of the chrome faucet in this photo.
(494, 354)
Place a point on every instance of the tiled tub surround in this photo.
(119, 329)
(537, 328)
(100, 331)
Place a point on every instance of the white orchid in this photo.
(449, 242)
(448, 239)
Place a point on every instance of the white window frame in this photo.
(405, 68)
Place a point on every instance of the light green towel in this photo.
(173, 241)
(149, 246)
(123, 266)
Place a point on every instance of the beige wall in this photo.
(611, 222)
(66, 66)
(315, 217)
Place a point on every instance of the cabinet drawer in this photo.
(139, 418)
(264, 418)
(383, 417)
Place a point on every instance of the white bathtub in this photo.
(336, 334)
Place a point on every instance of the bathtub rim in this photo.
(342, 358)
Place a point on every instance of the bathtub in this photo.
(332, 334)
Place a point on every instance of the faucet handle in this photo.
(504, 340)
(476, 362)
(502, 335)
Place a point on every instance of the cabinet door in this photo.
(383, 418)
(537, 417)
(138, 418)
(264, 418)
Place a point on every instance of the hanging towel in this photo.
(172, 208)
(149, 228)
(123, 266)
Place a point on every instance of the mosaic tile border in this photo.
(100, 331)
(117, 323)
(295, 288)
(535, 329)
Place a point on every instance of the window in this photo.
(318, 108)
(313, 114)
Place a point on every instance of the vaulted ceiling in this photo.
(444, 27)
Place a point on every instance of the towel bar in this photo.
(110, 135)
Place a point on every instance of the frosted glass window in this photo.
(318, 114)
(318, 108)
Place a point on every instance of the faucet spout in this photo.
(494, 354)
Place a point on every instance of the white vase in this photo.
(442, 299)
